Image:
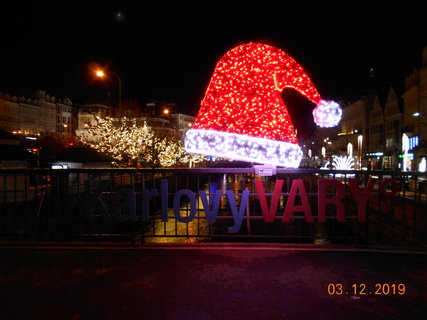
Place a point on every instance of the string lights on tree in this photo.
(242, 115)
(126, 141)
(170, 153)
(120, 138)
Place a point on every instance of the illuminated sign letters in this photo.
(329, 193)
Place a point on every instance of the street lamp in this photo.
(405, 149)
(101, 74)
(417, 133)
(418, 128)
(360, 147)
(350, 150)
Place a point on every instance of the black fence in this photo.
(195, 205)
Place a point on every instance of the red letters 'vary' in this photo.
(322, 200)
(298, 187)
(269, 213)
(361, 197)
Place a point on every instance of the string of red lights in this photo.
(243, 104)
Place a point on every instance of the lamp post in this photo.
(405, 149)
(360, 147)
(417, 128)
(418, 142)
(349, 150)
(101, 74)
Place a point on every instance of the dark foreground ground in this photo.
(209, 283)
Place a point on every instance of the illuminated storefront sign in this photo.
(413, 142)
(126, 209)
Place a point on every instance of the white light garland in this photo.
(241, 147)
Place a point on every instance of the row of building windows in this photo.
(393, 125)
(378, 128)
(63, 119)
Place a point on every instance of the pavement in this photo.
(211, 282)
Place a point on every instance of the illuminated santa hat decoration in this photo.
(242, 115)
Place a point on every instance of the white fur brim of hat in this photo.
(242, 147)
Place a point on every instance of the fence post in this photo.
(248, 216)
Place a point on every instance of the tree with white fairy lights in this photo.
(126, 141)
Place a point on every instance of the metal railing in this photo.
(192, 205)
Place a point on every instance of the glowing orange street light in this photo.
(166, 111)
(101, 74)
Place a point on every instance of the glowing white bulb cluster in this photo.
(341, 163)
(241, 147)
(327, 114)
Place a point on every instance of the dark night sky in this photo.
(168, 53)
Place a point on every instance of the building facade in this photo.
(9, 115)
(66, 123)
(41, 115)
(371, 129)
(354, 135)
(86, 118)
(183, 122)
(393, 121)
(47, 120)
(415, 114)
(29, 116)
(376, 143)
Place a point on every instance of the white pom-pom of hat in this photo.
(327, 114)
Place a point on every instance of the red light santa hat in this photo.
(242, 115)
